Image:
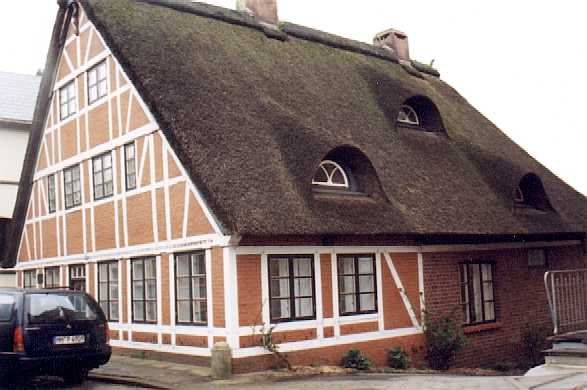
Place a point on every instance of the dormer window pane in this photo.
(331, 174)
(407, 115)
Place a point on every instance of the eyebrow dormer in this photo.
(420, 113)
(530, 194)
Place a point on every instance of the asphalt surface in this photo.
(55, 383)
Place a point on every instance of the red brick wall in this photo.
(218, 286)
(249, 292)
(519, 294)
(326, 271)
(376, 350)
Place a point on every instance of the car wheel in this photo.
(76, 377)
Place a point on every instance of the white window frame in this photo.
(71, 170)
(127, 162)
(100, 85)
(407, 115)
(329, 182)
(67, 100)
(102, 158)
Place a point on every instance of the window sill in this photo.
(472, 329)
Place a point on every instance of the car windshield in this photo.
(6, 306)
(55, 307)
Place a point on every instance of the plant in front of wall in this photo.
(444, 339)
(533, 342)
(398, 358)
(267, 342)
(354, 358)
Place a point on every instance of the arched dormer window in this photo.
(331, 174)
(421, 113)
(408, 116)
(530, 194)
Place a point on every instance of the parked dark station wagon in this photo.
(51, 332)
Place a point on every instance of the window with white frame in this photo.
(52, 277)
(51, 200)
(291, 288)
(72, 186)
(331, 174)
(477, 298)
(407, 115)
(67, 100)
(357, 290)
(97, 82)
(77, 277)
(130, 166)
(29, 279)
(103, 178)
(108, 289)
(144, 290)
(190, 288)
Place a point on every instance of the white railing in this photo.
(567, 299)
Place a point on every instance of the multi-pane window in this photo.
(97, 82)
(108, 289)
(77, 277)
(357, 292)
(52, 277)
(51, 200)
(72, 186)
(190, 288)
(130, 166)
(477, 299)
(144, 290)
(103, 184)
(29, 279)
(67, 103)
(291, 288)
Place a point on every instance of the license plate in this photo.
(69, 340)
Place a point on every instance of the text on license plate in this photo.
(68, 340)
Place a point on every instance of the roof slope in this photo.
(18, 96)
(251, 117)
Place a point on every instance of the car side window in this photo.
(6, 307)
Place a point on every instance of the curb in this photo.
(128, 381)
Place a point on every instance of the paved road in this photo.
(50, 384)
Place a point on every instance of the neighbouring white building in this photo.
(18, 93)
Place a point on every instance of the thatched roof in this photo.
(252, 111)
(252, 114)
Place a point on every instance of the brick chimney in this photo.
(395, 41)
(264, 10)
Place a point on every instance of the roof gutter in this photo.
(14, 233)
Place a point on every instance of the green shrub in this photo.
(354, 358)
(533, 342)
(444, 339)
(398, 358)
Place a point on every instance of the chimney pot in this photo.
(394, 40)
(264, 10)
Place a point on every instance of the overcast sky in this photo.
(522, 63)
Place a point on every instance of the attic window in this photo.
(530, 194)
(330, 174)
(408, 116)
(420, 113)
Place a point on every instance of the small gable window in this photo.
(331, 174)
(407, 115)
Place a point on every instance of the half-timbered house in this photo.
(206, 173)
